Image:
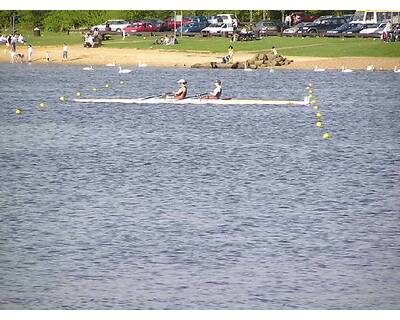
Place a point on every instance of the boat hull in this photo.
(197, 101)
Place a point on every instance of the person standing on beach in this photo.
(29, 53)
(65, 52)
(229, 57)
(14, 43)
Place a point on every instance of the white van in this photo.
(114, 25)
(229, 19)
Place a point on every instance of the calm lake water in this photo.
(198, 207)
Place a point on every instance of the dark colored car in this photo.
(322, 25)
(160, 25)
(348, 17)
(262, 27)
(200, 19)
(356, 28)
(193, 27)
(344, 27)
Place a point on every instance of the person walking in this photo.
(30, 53)
(65, 52)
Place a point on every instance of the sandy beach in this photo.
(165, 58)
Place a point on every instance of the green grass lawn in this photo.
(291, 46)
(316, 47)
(49, 38)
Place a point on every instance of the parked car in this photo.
(322, 25)
(341, 29)
(171, 23)
(348, 17)
(140, 27)
(356, 28)
(113, 25)
(229, 19)
(375, 28)
(304, 17)
(192, 27)
(262, 27)
(218, 28)
(199, 19)
(298, 28)
(160, 25)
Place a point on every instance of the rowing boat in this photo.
(198, 101)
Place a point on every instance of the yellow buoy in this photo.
(315, 108)
(78, 94)
(319, 124)
(326, 135)
(41, 104)
(94, 89)
(310, 84)
(318, 115)
(62, 98)
(121, 82)
(107, 85)
(18, 111)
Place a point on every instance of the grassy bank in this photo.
(312, 47)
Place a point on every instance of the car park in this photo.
(111, 25)
(323, 24)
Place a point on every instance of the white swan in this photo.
(88, 68)
(124, 70)
(371, 68)
(246, 68)
(142, 65)
(396, 70)
(316, 69)
(110, 64)
(271, 70)
(346, 70)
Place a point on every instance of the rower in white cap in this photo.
(181, 93)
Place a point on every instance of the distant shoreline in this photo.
(165, 58)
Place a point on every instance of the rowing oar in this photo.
(157, 96)
(197, 96)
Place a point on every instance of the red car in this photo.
(170, 23)
(303, 17)
(140, 27)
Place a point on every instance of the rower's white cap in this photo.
(182, 81)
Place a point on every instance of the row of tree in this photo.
(60, 20)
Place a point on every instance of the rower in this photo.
(181, 93)
(216, 94)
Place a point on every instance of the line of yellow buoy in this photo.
(315, 107)
(43, 106)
